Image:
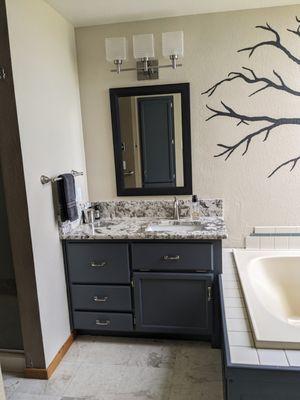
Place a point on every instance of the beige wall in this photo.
(46, 85)
(211, 44)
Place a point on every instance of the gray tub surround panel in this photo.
(251, 373)
(156, 208)
(135, 229)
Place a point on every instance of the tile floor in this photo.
(104, 368)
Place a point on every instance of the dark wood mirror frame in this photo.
(184, 90)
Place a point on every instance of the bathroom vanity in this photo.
(146, 276)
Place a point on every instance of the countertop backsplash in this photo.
(156, 208)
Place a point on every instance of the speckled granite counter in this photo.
(136, 229)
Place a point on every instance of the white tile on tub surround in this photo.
(229, 284)
(267, 242)
(238, 325)
(293, 357)
(228, 270)
(244, 355)
(294, 242)
(240, 339)
(252, 242)
(272, 357)
(264, 229)
(236, 312)
(230, 277)
(234, 302)
(281, 242)
(232, 293)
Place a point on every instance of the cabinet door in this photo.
(173, 302)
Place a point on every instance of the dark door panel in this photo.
(156, 125)
(173, 302)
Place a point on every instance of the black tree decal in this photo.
(249, 76)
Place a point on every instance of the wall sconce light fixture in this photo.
(116, 50)
(147, 66)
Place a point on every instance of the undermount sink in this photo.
(175, 226)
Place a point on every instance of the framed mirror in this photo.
(152, 139)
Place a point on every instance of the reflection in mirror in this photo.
(151, 128)
(151, 140)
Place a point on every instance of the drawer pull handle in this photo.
(100, 299)
(96, 264)
(171, 258)
(102, 322)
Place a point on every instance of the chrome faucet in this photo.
(176, 209)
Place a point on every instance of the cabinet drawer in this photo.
(101, 298)
(98, 263)
(102, 321)
(173, 256)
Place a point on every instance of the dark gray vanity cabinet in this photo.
(173, 302)
(144, 287)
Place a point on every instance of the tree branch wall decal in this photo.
(249, 76)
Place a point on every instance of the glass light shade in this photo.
(115, 48)
(172, 44)
(143, 46)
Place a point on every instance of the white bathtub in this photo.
(270, 281)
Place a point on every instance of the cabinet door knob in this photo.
(171, 258)
(100, 299)
(102, 322)
(98, 264)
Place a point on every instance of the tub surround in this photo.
(276, 372)
(238, 327)
(270, 280)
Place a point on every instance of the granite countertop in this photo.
(136, 229)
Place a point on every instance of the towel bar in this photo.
(45, 179)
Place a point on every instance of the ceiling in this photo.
(97, 12)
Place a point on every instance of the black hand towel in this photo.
(67, 197)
